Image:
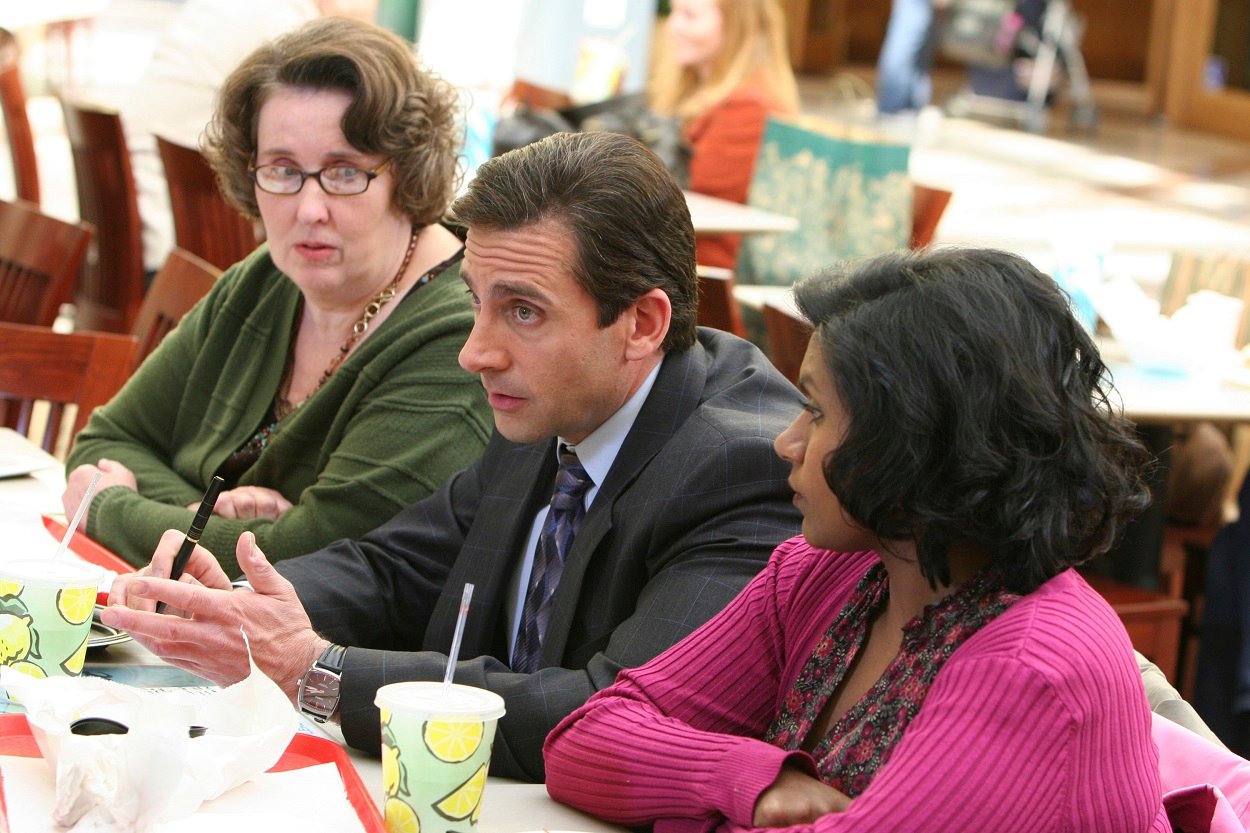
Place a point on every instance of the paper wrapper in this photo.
(156, 772)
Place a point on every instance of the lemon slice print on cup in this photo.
(75, 604)
(74, 663)
(15, 637)
(394, 773)
(462, 802)
(453, 741)
(400, 818)
(11, 589)
(29, 668)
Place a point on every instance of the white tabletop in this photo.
(1147, 396)
(39, 491)
(1153, 397)
(712, 215)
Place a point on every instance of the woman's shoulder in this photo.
(1064, 631)
(438, 308)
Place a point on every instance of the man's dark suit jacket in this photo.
(690, 511)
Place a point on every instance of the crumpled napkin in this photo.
(1199, 336)
(156, 772)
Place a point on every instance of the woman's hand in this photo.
(112, 473)
(246, 503)
(797, 798)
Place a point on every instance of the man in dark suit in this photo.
(579, 263)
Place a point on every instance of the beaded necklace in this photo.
(282, 406)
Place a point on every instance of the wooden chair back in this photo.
(112, 282)
(17, 120)
(83, 369)
(1227, 274)
(180, 283)
(39, 261)
(204, 223)
(717, 305)
(927, 207)
(788, 335)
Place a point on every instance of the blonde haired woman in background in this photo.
(727, 69)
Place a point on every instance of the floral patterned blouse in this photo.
(861, 740)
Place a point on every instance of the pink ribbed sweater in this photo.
(1038, 722)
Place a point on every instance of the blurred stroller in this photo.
(996, 38)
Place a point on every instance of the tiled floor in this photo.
(1136, 188)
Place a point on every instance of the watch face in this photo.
(319, 692)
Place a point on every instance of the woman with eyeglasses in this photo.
(320, 376)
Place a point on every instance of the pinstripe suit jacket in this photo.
(690, 510)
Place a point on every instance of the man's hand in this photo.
(247, 503)
(797, 798)
(204, 636)
(202, 569)
(112, 473)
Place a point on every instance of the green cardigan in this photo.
(397, 419)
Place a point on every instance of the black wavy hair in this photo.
(978, 412)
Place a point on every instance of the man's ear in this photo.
(650, 316)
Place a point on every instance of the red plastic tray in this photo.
(304, 750)
(87, 549)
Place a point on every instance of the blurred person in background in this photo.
(726, 71)
(904, 82)
(320, 376)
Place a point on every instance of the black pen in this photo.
(194, 533)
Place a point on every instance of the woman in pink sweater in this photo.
(924, 657)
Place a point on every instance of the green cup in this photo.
(45, 614)
(436, 744)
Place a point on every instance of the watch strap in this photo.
(332, 658)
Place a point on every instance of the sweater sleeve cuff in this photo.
(754, 773)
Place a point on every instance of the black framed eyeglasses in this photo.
(339, 180)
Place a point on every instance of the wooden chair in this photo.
(788, 335)
(927, 207)
(204, 223)
(113, 281)
(83, 369)
(39, 261)
(717, 305)
(180, 283)
(17, 120)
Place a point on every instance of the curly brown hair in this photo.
(980, 410)
(398, 109)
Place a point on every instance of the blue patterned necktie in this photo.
(563, 518)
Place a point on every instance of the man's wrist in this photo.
(317, 692)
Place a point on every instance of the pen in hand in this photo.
(193, 534)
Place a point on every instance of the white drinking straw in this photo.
(455, 639)
(82, 507)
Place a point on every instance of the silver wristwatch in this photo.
(319, 687)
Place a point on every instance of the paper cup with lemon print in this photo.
(45, 614)
(436, 746)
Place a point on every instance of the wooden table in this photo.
(711, 215)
